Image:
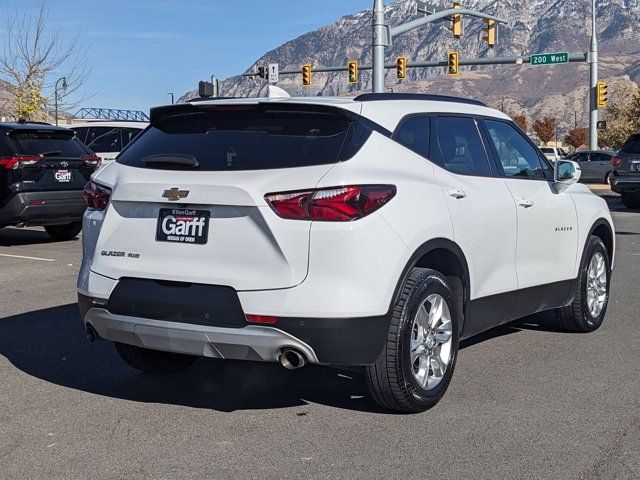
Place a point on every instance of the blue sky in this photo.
(141, 49)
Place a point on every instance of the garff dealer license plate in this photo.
(182, 225)
(62, 176)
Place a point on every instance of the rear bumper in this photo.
(330, 341)
(625, 184)
(43, 208)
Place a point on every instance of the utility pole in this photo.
(593, 80)
(378, 44)
(171, 93)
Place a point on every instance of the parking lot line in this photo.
(27, 258)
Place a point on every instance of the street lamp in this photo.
(55, 94)
(171, 93)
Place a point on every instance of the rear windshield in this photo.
(547, 150)
(48, 143)
(632, 145)
(241, 137)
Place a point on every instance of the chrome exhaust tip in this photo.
(292, 359)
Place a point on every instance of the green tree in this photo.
(622, 116)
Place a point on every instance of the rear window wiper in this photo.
(185, 160)
(53, 153)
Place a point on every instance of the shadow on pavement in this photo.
(50, 345)
(10, 237)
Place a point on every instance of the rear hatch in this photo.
(187, 200)
(630, 154)
(47, 160)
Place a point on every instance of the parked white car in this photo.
(108, 139)
(553, 153)
(378, 231)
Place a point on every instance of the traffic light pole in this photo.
(380, 41)
(383, 35)
(593, 77)
(510, 60)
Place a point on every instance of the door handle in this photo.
(456, 193)
(523, 202)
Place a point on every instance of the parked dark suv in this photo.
(626, 176)
(43, 170)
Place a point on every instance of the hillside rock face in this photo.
(535, 26)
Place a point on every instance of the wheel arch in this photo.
(602, 229)
(446, 257)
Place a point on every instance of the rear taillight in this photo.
(92, 160)
(335, 204)
(616, 161)
(17, 161)
(96, 196)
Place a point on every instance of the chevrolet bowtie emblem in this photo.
(175, 194)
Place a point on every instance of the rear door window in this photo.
(632, 145)
(457, 146)
(104, 139)
(245, 137)
(48, 143)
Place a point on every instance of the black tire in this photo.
(576, 317)
(64, 232)
(391, 379)
(154, 361)
(607, 177)
(631, 200)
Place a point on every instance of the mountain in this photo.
(535, 26)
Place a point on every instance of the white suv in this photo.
(108, 139)
(378, 231)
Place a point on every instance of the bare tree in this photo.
(545, 128)
(521, 120)
(577, 137)
(33, 59)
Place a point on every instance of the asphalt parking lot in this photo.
(526, 401)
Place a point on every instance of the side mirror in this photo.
(566, 172)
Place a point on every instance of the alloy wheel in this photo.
(431, 339)
(596, 284)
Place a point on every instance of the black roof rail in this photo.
(209, 99)
(374, 97)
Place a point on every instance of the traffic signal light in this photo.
(401, 67)
(263, 72)
(456, 21)
(602, 94)
(454, 59)
(306, 75)
(489, 32)
(353, 72)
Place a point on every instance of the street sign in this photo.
(602, 125)
(549, 58)
(274, 71)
